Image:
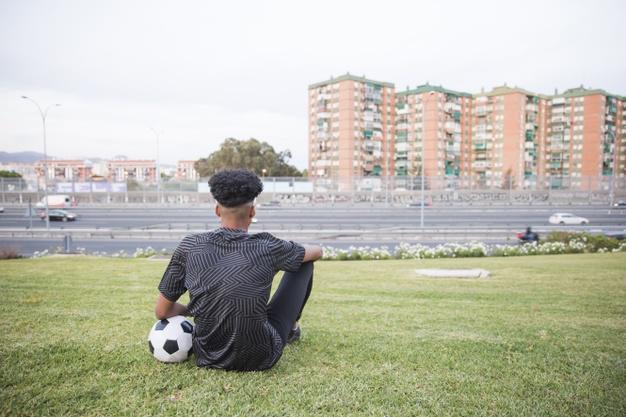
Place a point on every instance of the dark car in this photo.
(60, 215)
(620, 203)
(271, 203)
(418, 204)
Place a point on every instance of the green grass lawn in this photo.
(544, 336)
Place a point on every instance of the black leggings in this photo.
(286, 305)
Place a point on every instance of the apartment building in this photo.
(433, 128)
(586, 138)
(351, 129)
(139, 170)
(504, 138)
(64, 169)
(185, 171)
(508, 132)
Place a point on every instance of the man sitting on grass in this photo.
(229, 274)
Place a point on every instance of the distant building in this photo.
(185, 171)
(508, 133)
(586, 137)
(139, 170)
(100, 168)
(351, 126)
(64, 169)
(432, 126)
(26, 170)
(507, 137)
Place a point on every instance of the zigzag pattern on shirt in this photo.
(228, 274)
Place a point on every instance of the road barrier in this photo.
(448, 234)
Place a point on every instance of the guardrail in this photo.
(447, 234)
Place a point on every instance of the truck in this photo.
(57, 201)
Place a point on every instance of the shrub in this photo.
(593, 243)
(9, 253)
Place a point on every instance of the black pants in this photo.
(286, 305)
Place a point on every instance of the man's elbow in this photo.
(162, 308)
(159, 313)
(312, 253)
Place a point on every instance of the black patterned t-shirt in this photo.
(229, 274)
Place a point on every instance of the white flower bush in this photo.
(144, 253)
(580, 244)
(468, 250)
(620, 248)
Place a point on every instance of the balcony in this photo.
(451, 107)
(481, 164)
(558, 110)
(558, 100)
(403, 111)
(321, 163)
(532, 108)
(452, 127)
(371, 146)
(482, 111)
(402, 147)
(483, 136)
(323, 115)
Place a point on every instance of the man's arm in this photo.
(166, 308)
(312, 253)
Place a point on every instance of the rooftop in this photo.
(505, 89)
(426, 88)
(349, 77)
(582, 91)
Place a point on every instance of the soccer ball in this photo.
(170, 339)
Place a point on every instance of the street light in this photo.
(44, 114)
(158, 174)
(429, 99)
(613, 169)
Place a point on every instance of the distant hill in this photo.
(23, 157)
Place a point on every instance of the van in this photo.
(56, 201)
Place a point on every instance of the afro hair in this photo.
(234, 187)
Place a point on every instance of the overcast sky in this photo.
(201, 71)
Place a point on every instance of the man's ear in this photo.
(218, 211)
(252, 211)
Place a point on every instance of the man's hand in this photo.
(166, 308)
(312, 253)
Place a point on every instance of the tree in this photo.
(251, 154)
(9, 174)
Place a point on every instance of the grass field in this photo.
(544, 336)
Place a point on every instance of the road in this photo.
(386, 223)
(321, 218)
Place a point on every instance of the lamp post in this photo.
(44, 115)
(158, 174)
(423, 160)
(613, 170)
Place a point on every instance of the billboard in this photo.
(90, 187)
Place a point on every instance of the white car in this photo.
(567, 218)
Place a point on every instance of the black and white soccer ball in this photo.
(170, 339)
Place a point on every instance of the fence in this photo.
(388, 190)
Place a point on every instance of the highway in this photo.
(321, 218)
(356, 226)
